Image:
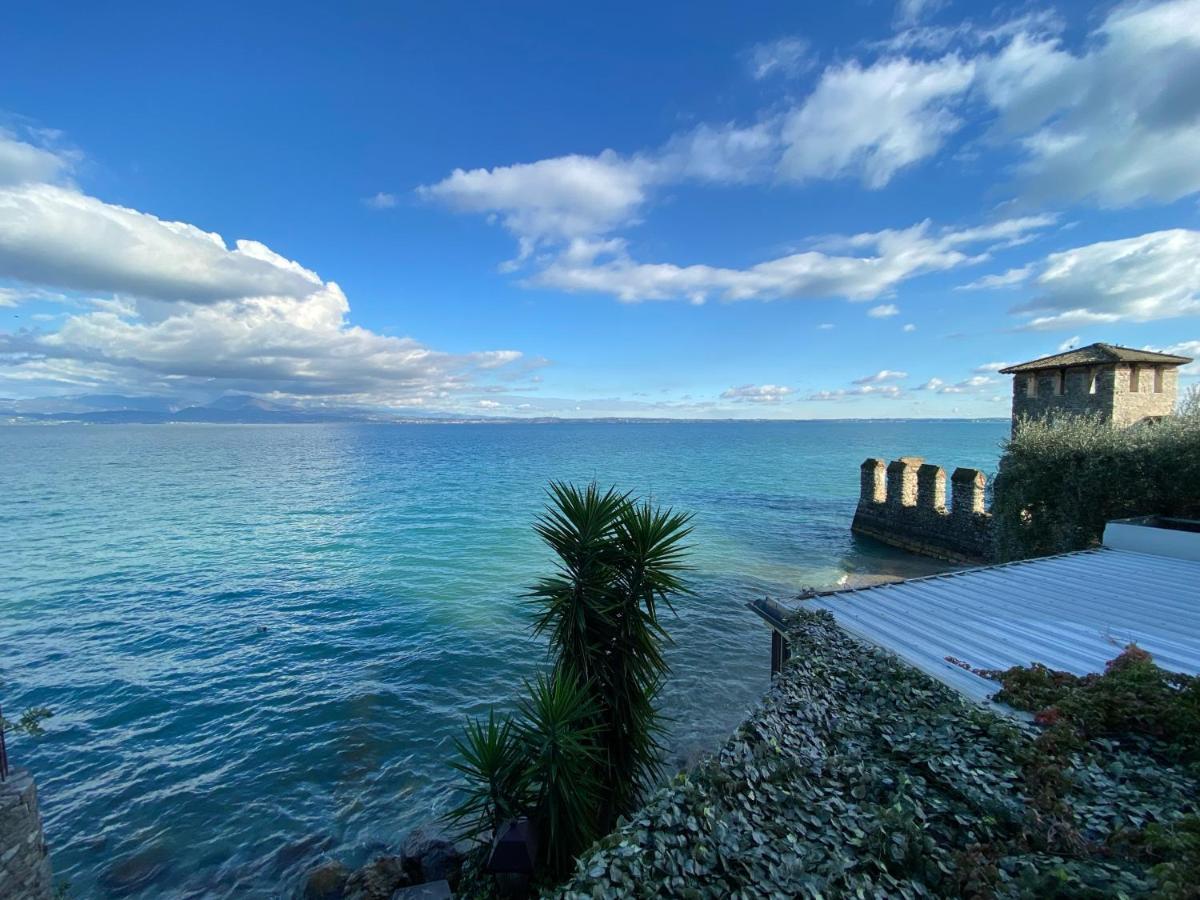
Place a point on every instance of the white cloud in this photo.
(171, 307)
(556, 200)
(881, 376)
(756, 393)
(1011, 278)
(24, 163)
(825, 326)
(1152, 276)
(909, 327)
(1185, 348)
(882, 390)
(381, 200)
(1069, 344)
(871, 122)
(786, 57)
(56, 236)
(860, 267)
(553, 199)
(991, 367)
(1117, 124)
(883, 311)
(972, 385)
(909, 12)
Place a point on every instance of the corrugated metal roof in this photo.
(1073, 612)
(1093, 354)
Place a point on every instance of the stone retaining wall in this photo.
(24, 860)
(903, 503)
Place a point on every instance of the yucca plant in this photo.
(558, 733)
(585, 745)
(618, 561)
(496, 770)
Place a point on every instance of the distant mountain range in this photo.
(115, 409)
(245, 409)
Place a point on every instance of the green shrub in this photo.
(1061, 480)
(1132, 698)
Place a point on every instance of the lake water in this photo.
(260, 641)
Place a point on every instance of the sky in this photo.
(768, 210)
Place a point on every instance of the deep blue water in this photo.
(260, 641)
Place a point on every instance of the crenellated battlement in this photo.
(903, 503)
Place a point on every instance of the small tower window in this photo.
(1134, 379)
(1091, 380)
(1158, 379)
(1031, 386)
(1059, 382)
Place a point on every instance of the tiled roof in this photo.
(1094, 354)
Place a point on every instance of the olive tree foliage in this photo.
(1062, 479)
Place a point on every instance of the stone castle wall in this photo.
(1104, 390)
(903, 503)
(1130, 408)
(24, 860)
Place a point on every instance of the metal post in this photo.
(3, 750)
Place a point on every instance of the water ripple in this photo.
(260, 642)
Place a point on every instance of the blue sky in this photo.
(775, 210)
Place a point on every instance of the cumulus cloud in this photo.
(58, 237)
(756, 393)
(882, 390)
(25, 163)
(991, 367)
(1116, 124)
(972, 385)
(169, 306)
(909, 327)
(556, 200)
(860, 267)
(1151, 276)
(553, 199)
(881, 376)
(883, 311)
(871, 122)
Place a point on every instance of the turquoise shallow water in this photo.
(260, 641)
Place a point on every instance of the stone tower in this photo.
(1121, 385)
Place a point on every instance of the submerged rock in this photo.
(378, 879)
(429, 856)
(326, 882)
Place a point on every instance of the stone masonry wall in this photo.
(1129, 408)
(1113, 397)
(1076, 397)
(903, 503)
(24, 860)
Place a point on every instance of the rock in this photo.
(378, 879)
(431, 857)
(432, 890)
(326, 882)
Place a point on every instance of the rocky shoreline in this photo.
(428, 865)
